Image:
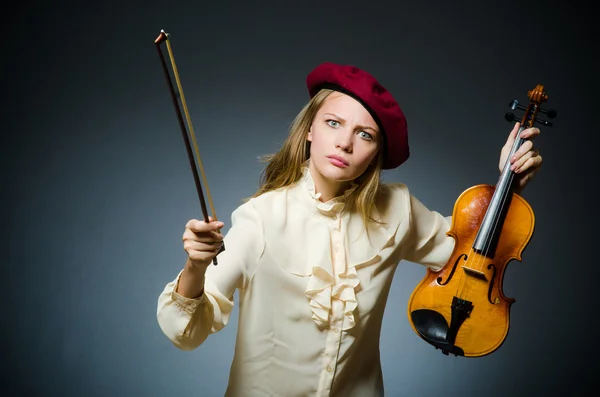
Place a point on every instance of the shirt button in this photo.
(329, 369)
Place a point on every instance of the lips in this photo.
(338, 158)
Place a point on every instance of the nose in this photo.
(344, 141)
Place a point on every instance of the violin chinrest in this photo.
(433, 327)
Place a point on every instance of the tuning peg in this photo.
(544, 122)
(511, 117)
(551, 113)
(514, 104)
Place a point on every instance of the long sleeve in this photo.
(428, 243)
(188, 322)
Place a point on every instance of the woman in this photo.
(313, 252)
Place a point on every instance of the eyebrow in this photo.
(364, 127)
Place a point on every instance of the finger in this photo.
(524, 153)
(530, 133)
(530, 161)
(526, 147)
(196, 225)
(191, 246)
(512, 135)
(530, 167)
(519, 161)
(203, 237)
(199, 252)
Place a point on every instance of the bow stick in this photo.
(165, 38)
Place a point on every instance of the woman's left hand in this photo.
(526, 161)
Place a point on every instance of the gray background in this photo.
(98, 187)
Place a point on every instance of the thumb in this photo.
(216, 225)
(513, 135)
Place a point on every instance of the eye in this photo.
(333, 123)
(366, 135)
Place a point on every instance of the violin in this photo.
(462, 309)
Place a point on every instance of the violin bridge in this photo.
(475, 273)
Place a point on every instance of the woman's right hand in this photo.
(202, 241)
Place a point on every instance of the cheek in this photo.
(369, 156)
(317, 141)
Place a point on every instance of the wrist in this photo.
(197, 267)
(191, 281)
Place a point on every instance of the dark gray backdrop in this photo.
(98, 187)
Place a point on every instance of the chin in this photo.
(337, 174)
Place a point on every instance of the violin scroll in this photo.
(536, 97)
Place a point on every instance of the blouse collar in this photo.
(329, 207)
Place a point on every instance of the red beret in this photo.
(374, 97)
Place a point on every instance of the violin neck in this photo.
(498, 201)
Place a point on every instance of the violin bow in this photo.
(186, 130)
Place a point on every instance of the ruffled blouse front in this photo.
(339, 282)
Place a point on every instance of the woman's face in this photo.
(344, 139)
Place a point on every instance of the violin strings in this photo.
(507, 191)
(505, 194)
(479, 261)
(191, 128)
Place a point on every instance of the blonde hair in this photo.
(284, 168)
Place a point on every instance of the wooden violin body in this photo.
(475, 321)
(462, 309)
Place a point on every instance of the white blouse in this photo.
(313, 285)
